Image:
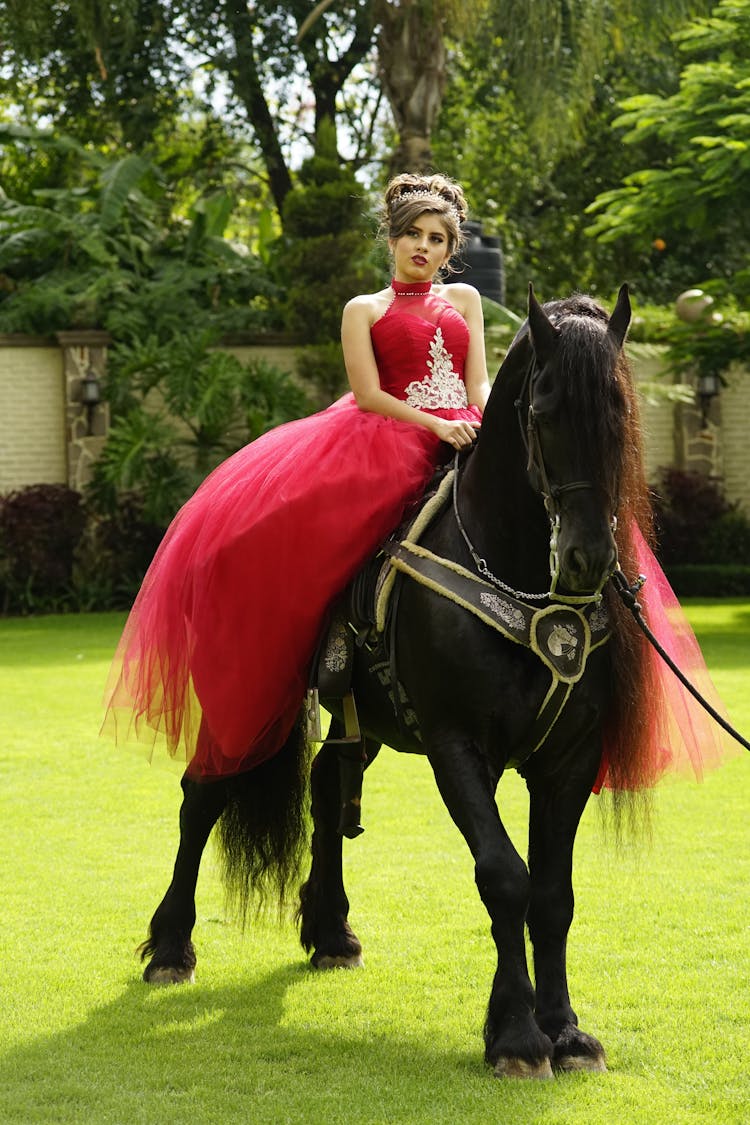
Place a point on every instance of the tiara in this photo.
(419, 196)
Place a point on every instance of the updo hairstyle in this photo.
(410, 195)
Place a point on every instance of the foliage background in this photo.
(171, 172)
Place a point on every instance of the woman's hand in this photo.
(457, 433)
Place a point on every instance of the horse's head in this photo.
(576, 407)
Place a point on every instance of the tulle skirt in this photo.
(215, 656)
(682, 737)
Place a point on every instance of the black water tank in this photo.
(480, 263)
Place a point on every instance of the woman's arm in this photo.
(362, 372)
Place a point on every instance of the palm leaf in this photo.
(117, 184)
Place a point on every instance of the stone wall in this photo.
(84, 355)
(734, 430)
(47, 435)
(32, 414)
(713, 442)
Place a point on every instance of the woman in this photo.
(216, 652)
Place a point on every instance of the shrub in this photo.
(728, 539)
(703, 541)
(58, 554)
(113, 555)
(710, 581)
(326, 255)
(40, 528)
(321, 366)
(687, 507)
(185, 409)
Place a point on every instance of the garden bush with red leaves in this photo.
(40, 528)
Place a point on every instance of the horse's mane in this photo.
(599, 384)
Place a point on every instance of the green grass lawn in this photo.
(659, 952)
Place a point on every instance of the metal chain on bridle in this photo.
(551, 494)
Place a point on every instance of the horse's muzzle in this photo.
(584, 570)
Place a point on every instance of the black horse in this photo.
(556, 466)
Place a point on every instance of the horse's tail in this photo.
(263, 830)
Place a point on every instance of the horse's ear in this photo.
(544, 335)
(620, 319)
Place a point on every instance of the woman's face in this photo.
(420, 252)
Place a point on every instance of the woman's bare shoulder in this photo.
(463, 297)
(368, 306)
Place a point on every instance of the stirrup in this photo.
(352, 732)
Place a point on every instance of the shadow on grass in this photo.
(203, 1054)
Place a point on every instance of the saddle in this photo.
(561, 636)
(364, 617)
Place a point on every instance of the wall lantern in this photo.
(707, 388)
(91, 396)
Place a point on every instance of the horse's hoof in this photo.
(326, 961)
(519, 1068)
(595, 1063)
(575, 1050)
(168, 974)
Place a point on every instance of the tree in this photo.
(412, 67)
(109, 253)
(115, 71)
(693, 194)
(526, 125)
(102, 72)
(524, 120)
(263, 53)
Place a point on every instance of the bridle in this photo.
(551, 494)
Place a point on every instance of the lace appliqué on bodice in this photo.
(443, 388)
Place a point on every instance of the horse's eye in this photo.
(545, 402)
(545, 393)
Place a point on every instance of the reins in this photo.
(627, 593)
(549, 494)
(629, 597)
(479, 562)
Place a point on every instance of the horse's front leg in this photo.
(169, 945)
(324, 906)
(556, 806)
(514, 1043)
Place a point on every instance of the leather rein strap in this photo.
(629, 597)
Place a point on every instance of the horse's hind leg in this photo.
(324, 907)
(169, 945)
(555, 811)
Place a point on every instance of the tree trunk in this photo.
(248, 87)
(327, 73)
(412, 65)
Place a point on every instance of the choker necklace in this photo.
(411, 288)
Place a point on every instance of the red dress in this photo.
(215, 655)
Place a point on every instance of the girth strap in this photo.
(561, 636)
